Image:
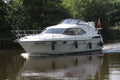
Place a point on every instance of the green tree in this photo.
(42, 13)
(114, 13)
(4, 20)
(35, 14)
(16, 14)
(75, 7)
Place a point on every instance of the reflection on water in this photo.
(114, 66)
(17, 66)
(65, 67)
(111, 48)
(10, 63)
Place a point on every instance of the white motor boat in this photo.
(69, 36)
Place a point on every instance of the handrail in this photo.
(22, 33)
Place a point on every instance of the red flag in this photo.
(99, 23)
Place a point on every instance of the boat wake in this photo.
(111, 48)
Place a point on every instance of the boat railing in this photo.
(22, 33)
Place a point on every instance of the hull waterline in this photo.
(61, 47)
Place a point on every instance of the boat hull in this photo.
(61, 47)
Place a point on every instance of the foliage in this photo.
(114, 13)
(16, 14)
(34, 14)
(38, 14)
(4, 20)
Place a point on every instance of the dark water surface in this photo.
(16, 65)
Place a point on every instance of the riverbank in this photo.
(8, 44)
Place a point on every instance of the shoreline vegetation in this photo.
(9, 44)
(38, 14)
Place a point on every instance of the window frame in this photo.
(74, 31)
(53, 31)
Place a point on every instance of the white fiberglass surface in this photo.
(49, 37)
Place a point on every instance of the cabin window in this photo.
(74, 31)
(54, 31)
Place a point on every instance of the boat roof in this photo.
(70, 23)
(63, 26)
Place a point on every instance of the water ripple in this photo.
(111, 48)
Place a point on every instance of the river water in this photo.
(105, 65)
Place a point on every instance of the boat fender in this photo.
(100, 43)
(64, 42)
(53, 45)
(90, 45)
(76, 44)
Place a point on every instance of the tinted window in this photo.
(74, 31)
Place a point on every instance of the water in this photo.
(16, 65)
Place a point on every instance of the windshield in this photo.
(54, 31)
(71, 21)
